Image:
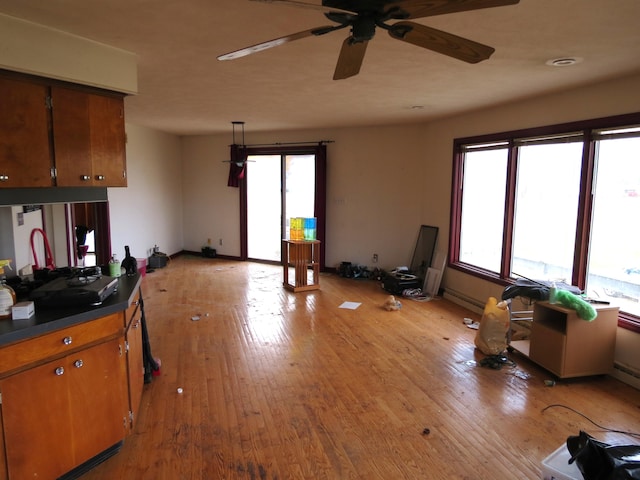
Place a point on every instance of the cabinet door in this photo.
(135, 365)
(25, 153)
(108, 140)
(71, 137)
(98, 398)
(37, 422)
(89, 139)
(62, 413)
(548, 347)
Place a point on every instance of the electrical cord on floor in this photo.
(607, 429)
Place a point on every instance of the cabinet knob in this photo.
(85, 178)
(59, 371)
(67, 340)
(4, 178)
(99, 177)
(78, 363)
(137, 324)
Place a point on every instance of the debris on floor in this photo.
(391, 304)
(416, 294)
(496, 362)
(350, 305)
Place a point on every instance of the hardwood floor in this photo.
(282, 385)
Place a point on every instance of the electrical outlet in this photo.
(374, 258)
(220, 242)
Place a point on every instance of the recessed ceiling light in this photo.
(563, 61)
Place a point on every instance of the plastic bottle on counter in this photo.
(7, 295)
(552, 293)
(114, 266)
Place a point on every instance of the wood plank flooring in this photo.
(282, 385)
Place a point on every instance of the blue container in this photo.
(310, 228)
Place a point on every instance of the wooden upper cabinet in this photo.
(88, 138)
(25, 148)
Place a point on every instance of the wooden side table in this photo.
(568, 346)
(304, 257)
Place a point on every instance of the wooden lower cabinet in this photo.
(62, 413)
(135, 365)
(70, 396)
(568, 346)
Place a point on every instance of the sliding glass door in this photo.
(279, 187)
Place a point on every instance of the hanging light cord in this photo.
(631, 434)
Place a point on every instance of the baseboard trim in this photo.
(199, 254)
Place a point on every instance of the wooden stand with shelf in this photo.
(304, 257)
(568, 346)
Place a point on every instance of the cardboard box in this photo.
(23, 310)
(556, 466)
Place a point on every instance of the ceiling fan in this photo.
(363, 16)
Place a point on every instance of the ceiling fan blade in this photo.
(276, 42)
(441, 42)
(313, 6)
(429, 8)
(350, 59)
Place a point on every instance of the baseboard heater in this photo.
(626, 374)
(463, 300)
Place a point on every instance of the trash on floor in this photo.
(496, 362)
(416, 294)
(491, 338)
(350, 305)
(391, 304)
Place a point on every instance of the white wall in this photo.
(375, 178)
(149, 210)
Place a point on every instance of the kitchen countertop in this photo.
(51, 319)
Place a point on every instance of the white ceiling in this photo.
(184, 89)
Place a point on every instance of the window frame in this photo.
(588, 131)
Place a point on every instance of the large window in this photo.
(559, 203)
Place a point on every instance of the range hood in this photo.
(37, 196)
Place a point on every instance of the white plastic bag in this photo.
(491, 337)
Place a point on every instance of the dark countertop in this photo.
(48, 320)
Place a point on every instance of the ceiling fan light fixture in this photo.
(563, 61)
(364, 16)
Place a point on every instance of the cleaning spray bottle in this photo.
(7, 295)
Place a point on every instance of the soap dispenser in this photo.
(7, 295)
